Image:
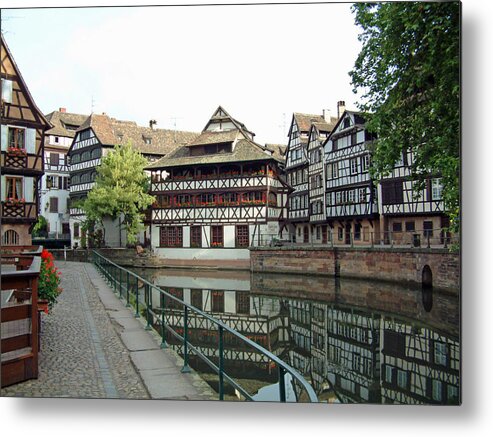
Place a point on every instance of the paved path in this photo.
(92, 346)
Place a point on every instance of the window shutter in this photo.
(31, 140)
(4, 135)
(53, 204)
(7, 90)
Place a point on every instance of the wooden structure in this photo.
(22, 137)
(220, 191)
(19, 314)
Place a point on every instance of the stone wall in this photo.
(398, 265)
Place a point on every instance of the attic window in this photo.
(347, 122)
(147, 140)
(120, 137)
(70, 126)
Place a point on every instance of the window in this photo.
(365, 163)
(76, 230)
(351, 196)
(388, 374)
(436, 189)
(196, 298)
(54, 158)
(428, 228)
(339, 233)
(362, 195)
(242, 302)
(402, 378)
(10, 238)
(17, 138)
(85, 135)
(436, 390)
(392, 192)
(14, 188)
(318, 233)
(242, 237)
(7, 90)
(440, 353)
(357, 231)
(195, 236)
(397, 227)
(53, 204)
(217, 236)
(75, 158)
(353, 164)
(217, 301)
(409, 226)
(353, 138)
(86, 156)
(171, 236)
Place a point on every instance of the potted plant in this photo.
(49, 282)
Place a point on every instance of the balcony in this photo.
(18, 210)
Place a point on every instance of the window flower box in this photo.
(13, 201)
(16, 151)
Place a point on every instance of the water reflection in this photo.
(354, 341)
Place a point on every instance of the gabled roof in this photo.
(220, 114)
(304, 121)
(355, 115)
(215, 137)
(244, 151)
(60, 121)
(279, 150)
(9, 66)
(110, 131)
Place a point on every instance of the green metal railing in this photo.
(126, 285)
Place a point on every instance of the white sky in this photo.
(261, 63)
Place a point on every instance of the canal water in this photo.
(354, 341)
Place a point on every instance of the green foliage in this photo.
(120, 189)
(41, 227)
(409, 74)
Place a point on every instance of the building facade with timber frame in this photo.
(23, 128)
(221, 192)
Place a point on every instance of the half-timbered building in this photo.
(351, 196)
(55, 183)
(317, 137)
(22, 136)
(95, 138)
(297, 165)
(409, 215)
(221, 192)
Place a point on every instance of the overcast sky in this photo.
(177, 64)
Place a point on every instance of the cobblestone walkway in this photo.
(82, 355)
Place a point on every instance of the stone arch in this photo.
(427, 277)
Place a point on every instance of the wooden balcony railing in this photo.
(18, 211)
(19, 314)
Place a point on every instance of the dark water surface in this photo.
(352, 340)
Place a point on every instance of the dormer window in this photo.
(147, 140)
(347, 122)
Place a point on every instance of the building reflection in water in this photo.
(354, 341)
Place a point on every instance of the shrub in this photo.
(49, 279)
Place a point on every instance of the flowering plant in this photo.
(16, 151)
(49, 279)
(15, 201)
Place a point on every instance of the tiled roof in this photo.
(279, 150)
(326, 127)
(304, 121)
(111, 131)
(60, 120)
(215, 137)
(245, 150)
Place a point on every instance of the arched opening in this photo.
(427, 277)
(427, 288)
(10, 238)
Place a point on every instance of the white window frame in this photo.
(436, 189)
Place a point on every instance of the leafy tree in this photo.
(40, 228)
(120, 189)
(409, 74)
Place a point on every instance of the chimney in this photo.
(62, 110)
(152, 123)
(326, 115)
(341, 107)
